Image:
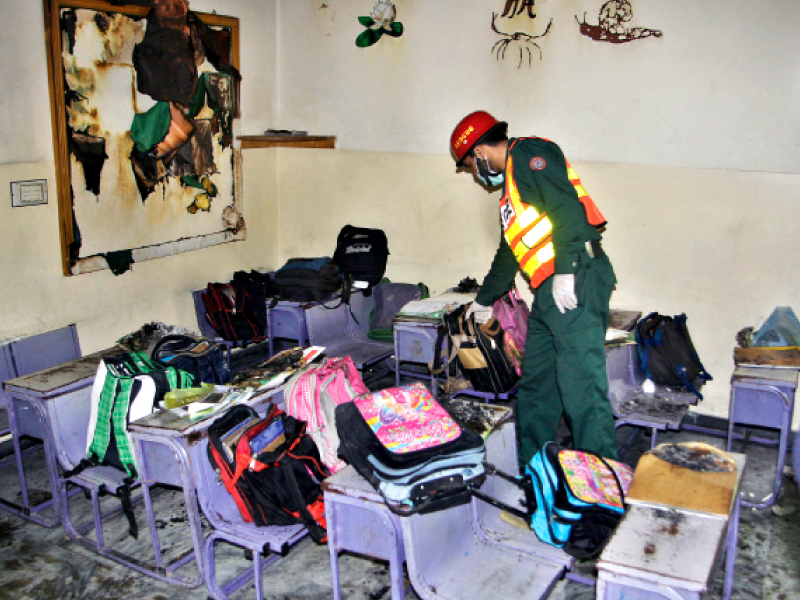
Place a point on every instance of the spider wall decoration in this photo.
(525, 41)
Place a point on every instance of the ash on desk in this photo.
(480, 417)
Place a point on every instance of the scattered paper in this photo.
(312, 352)
(614, 335)
(275, 381)
(202, 410)
(437, 306)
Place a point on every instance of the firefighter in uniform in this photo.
(550, 229)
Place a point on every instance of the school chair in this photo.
(266, 544)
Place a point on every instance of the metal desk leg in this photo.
(150, 476)
(365, 527)
(761, 420)
(730, 551)
(25, 510)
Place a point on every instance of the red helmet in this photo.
(469, 132)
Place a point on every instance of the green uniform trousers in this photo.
(564, 366)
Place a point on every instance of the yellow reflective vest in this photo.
(528, 233)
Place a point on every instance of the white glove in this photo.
(482, 313)
(564, 292)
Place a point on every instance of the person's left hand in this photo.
(564, 292)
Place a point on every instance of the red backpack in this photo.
(271, 467)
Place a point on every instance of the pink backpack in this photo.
(512, 312)
(313, 393)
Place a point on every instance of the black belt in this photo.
(594, 248)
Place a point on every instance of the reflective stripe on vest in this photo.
(529, 234)
(593, 214)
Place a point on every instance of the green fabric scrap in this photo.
(149, 128)
(192, 181)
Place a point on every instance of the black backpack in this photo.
(666, 353)
(254, 286)
(205, 360)
(307, 279)
(271, 467)
(362, 254)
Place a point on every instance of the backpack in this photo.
(307, 279)
(235, 311)
(478, 351)
(126, 388)
(410, 449)
(666, 353)
(312, 395)
(254, 285)
(580, 498)
(362, 254)
(270, 467)
(207, 361)
(573, 500)
(513, 313)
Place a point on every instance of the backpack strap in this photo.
(123, 492)
(613, 474)
(703, 374)
(317, 531)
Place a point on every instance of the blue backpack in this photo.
(579, 498)
(573, 499)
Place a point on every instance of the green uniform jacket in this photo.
(540, 171)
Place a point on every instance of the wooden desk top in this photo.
(349, 483)
(657, 483)
(169, 424)
(672, 546)
(766, 374)
(54, 381)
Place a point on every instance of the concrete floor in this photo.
(41, 563)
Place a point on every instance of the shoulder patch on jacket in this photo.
(538, 163)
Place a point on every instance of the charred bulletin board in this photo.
(145, 99)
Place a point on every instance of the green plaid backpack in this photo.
(126, 388)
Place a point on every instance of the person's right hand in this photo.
(564, 292)
(479, 311)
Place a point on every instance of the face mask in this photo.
(486, 176)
